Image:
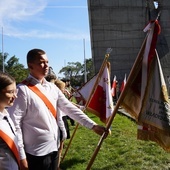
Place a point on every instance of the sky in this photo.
(59, 27)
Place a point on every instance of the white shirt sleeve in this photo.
(72, 111)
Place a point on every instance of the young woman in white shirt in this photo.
(9, 155)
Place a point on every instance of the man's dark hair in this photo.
(32, 54)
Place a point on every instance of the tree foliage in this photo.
(72, 70)
(89, 69)
(75, 72)
(13, 67)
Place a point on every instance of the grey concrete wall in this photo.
(119, 24)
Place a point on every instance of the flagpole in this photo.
(3, 68)
(99, 74)
(70, 141)
(94, 87)
(120, 99)
(85, 68)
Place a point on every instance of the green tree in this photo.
(13, 67)
(71, 70)
(3, 58)
(75, 72)
(89, 68)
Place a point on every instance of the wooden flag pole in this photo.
(70, 142)
(94, 87)
(128, 83)
(122, 95)
(98, 78)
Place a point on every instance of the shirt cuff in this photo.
(22, 154)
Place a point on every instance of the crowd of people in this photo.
(32, 128)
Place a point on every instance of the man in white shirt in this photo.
(34, 115)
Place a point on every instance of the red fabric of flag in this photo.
(123, 84)
(101, 103)
(113, 90)
(146, 96)
(97, 104)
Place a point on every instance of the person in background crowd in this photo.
(34, 115)
(9, 154)
(68, 92)
(61, 85)
(117, 93)
(51, 78)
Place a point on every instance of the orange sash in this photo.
(11, 145)
(42, 96)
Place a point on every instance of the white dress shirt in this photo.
(7, 159)
(37, 129)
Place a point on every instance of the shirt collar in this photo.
(33, 80)
(4, 113)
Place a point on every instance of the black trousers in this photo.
(46, 162)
